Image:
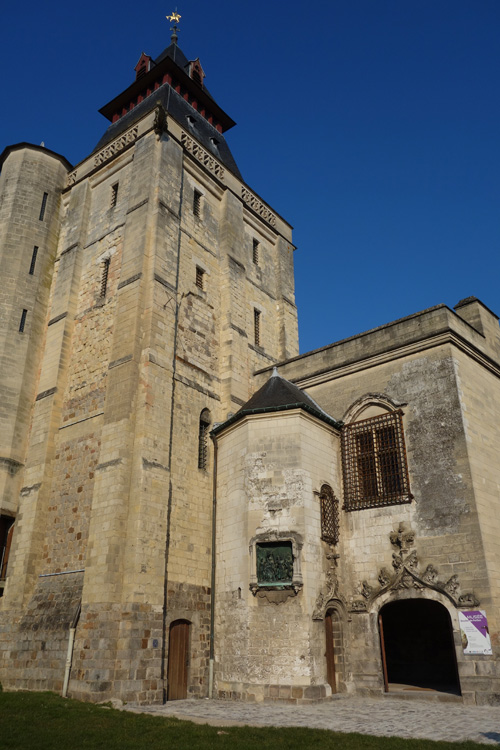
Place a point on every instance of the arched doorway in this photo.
(178, 660)
(418, 652)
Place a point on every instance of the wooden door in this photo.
(330, 653)
(178, 660)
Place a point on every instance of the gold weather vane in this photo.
(174, 18)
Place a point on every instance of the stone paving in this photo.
(389, 716)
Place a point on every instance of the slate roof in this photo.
(278, 394)
(175, 104)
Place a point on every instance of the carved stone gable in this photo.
(407, 576)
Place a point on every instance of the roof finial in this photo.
(174, 18)
(275, 373)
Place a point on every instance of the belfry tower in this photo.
(166, 283)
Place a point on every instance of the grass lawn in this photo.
(45, 721)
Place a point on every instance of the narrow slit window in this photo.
(255, 252)
(114, 195)
(43, 206)
(329, 515)
(197, 203)
(104, 277)
(256, 327)
(203, 439)
(22, 323)
(200, 281)
(33, 260)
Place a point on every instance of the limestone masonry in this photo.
(187, 506)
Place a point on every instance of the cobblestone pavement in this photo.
(376, 716)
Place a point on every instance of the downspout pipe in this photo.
(69, 653)
(212, 583)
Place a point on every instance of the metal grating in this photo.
(104, 277)
(256, 327)
(196, 203)
(255, 252)
(203, 439)
(329, 515)
(374, 462)
(199, 277)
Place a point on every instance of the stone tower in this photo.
(30, 187)
(172, 282)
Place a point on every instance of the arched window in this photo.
(329, 515)
(203, 439)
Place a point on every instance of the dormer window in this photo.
(196, 72)
(143, 66)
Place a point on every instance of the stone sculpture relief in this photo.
(406, 576)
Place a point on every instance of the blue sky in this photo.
(372, 126)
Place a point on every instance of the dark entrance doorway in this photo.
(178, 660)
(417, 646)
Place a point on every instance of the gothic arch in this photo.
(377, 400)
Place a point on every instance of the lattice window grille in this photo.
(43, 206)
(197, 203)
(104, 277)
(114, 195)
(255, 252)
(199, 277)
(374, 462)
(329, 515)
(256, 327)
(203, 439)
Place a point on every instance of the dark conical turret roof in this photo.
(278, 394)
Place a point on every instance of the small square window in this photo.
(197, 203)
(255, 252)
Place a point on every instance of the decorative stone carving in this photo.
(366, 590)
(430, 575)
(202, 156)
(257, 205)
(468, 601)
(331, 589)
(384, 577)
(406, 576)
(275, 565)
(160, 123)
(116, 146)
(71, 178)
(452, 587)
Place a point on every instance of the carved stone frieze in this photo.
(202, 156)
(257, 205)
(407, 576)
(116, 146)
